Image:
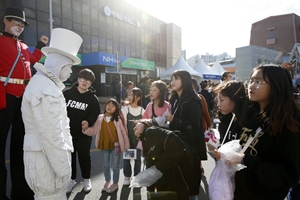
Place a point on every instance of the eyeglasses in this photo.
(256, 83)
(20, 24)
(85, 81)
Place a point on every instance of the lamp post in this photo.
(50, 13)
(119, 71)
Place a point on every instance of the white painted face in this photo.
(65, 72)
(14, 27)
(15, 31)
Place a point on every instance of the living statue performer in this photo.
(48, 143)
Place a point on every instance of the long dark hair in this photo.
(237, 93)
(282, 110)
(137, 92)
(187, 87)
(116, 114)
(162, 87)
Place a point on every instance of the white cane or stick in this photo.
(233, 115)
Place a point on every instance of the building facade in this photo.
(192, 61)
(145, 45)
(207, 58)
(279, 32)
(251, 56)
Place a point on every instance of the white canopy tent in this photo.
(205, 71)
(181, 64)
(217, 69)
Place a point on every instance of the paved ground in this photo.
(124, 193)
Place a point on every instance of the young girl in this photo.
(133, 111)
(273, 157)
(111, 139)
(186, 118)
(232, 102)
(158, 106)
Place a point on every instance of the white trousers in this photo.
(41, 178)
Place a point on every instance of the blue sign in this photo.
(211, 77)
(100, 58)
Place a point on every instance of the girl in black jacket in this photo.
(186, 119)
(273, 157)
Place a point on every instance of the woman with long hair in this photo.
(273, 157)
(186, 109)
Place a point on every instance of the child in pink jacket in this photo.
(111, 139)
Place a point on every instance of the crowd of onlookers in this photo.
(240, 109)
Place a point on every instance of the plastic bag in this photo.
(161, 120)
(146, 178)
(222, 183)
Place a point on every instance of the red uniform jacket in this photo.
(8, 54)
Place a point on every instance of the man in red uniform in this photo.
(13, 80)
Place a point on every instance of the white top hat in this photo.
(65, 42)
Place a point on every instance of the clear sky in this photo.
(215, 26)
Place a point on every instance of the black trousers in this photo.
(82, 148)
(11, 117)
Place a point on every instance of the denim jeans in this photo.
(193, 198)
(137, 165)
(294, 193)
(109, 156)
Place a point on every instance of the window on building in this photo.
(56, 8)
(109, 35)
(94, 16)
(86, 45)
(94, 43)
(102, 44)
(86, 14)
(116, 47)
(30, 33)
(116, 36)
(127, 50)
(86, 29)
(56, 21)
(42, 16)
(66, 7)
(66, 24)
(271, 34)
(41, 5)
(94, 3)
(86, 1)
(122, 48)
(77, 27)
(30, 13)
(109, 46)
(138, 52)
(43, 29)
(29, 4)
(76, 12)
(94, 31)
(132, 49)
